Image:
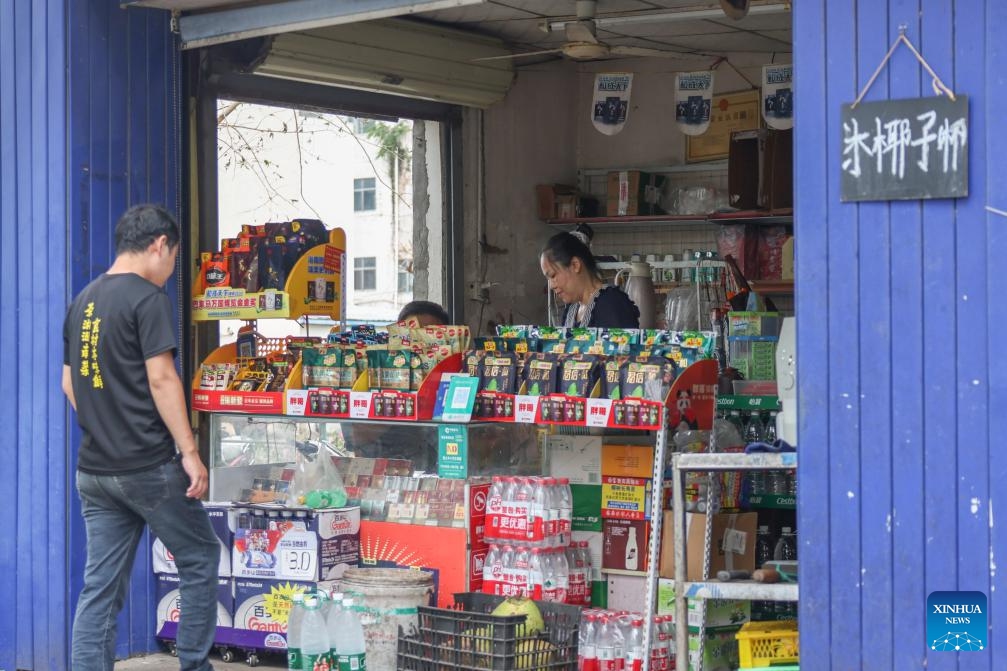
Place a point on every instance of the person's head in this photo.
(150, 236)
(427, 313)
(569, 265)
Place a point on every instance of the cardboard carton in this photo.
(624, 545)
(634, 192)
(169, 604)
(627, 461)
(223, 519)
(732, 545)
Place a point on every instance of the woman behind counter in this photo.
(573, 274)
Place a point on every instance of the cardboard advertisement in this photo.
(169, 604)
(321, 547)
(624, 545)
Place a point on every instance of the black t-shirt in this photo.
(612, 309)
(111, 329)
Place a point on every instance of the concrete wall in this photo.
(542, 133)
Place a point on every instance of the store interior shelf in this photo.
(703, 461)
(741, 589)
(765, 217)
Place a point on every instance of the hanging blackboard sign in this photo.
(905, 149)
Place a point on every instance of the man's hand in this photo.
(198, 479)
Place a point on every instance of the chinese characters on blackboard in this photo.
(905, 149)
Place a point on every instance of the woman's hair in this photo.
(562, 248)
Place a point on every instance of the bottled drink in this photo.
(632, 550)
(522, 518)
(776, 482)
(757, 483)
(562, 568)
(659, 645)
(792, 484)
(565, 510)
(314, 636)
(607, 647)
(541, 585)
(294, 627)
(735, 420)
(753, 430)
(769, 429)
(763, 546)
(587, 657)
(348, 645)
(585, 553)
(492, 568)
(786, 547)
(519, 573)
(577, 580)
(634, 647)
(540, 510)
(668, 627)
(506, 581)
(494, 508)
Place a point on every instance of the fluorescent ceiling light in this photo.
(200, 30)
(683, 15)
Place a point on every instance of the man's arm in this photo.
(68, 387)
(169, 397)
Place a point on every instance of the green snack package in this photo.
(499, 372)
(540, 374)
(578, 374)
(618, 341)
(647, 378)
(611, 378)
(396, 370)
(512, 331)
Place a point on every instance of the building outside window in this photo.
(365, 273)
(405, 276)
(364, 195)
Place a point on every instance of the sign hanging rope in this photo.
(937, 84)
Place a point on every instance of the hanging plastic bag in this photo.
(316, 483)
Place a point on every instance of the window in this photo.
(365, 273)
(364, 195)
(405, 276)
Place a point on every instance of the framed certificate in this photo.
(731, 112)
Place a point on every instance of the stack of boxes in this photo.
(267, 554)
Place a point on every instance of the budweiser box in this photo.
(169, 604)
(223, 519)
(314, 545)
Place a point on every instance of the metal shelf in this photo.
(761, 217)
(704, 461)
(741, 590)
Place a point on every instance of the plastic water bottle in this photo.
(565, 510)
(753, 430)
(555, 508)
(607, 650)
(539, 518)
(668, 627)
(492, 569)
(314, 637)
(786, 547)
(494, 508)
(523, 519)
(519, 572)
(659, 654)
(634, 647)
(585, 553)
(577, 579)
(587, 656)
(294, 627)
(348, 646)
(541, 582)
(505, 583)
(562, 567)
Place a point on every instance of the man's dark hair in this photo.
(141, 225)
(417, 308)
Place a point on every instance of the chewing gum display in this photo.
(578, 374)
(648, 378)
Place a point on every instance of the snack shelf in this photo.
(739, 402)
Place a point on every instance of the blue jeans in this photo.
(115, 509)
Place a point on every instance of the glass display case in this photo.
(250, 454)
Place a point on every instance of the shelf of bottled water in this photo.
(610, 640)
(561, 575)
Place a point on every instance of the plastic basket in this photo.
(763, 644)
(468, 638)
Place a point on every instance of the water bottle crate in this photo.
(468, 638)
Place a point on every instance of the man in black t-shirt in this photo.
(138, 462)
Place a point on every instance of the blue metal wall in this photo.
(88, 125)
(902, 390)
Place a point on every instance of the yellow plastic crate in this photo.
(768, 643)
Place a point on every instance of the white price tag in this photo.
(525, 409)
(298, 563)
(360, 404)
(598, 411)
(297, 401)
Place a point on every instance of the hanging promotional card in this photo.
(693, 101)
(610, 109)
(778, 96)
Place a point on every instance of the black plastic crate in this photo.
(468, 638)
